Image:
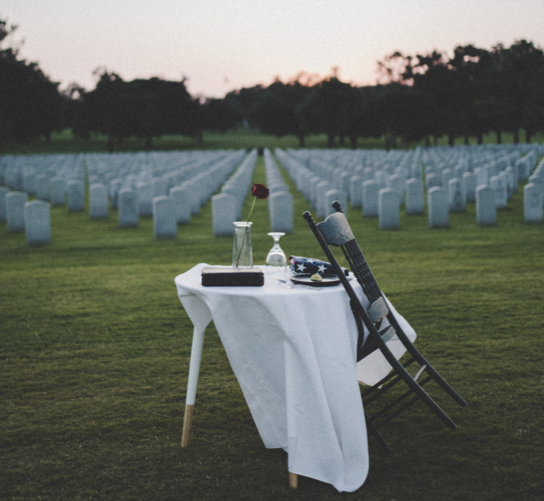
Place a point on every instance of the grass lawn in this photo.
(66, 142)
(95, 346)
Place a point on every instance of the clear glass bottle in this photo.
(242, 251)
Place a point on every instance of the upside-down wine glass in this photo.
(276, 257)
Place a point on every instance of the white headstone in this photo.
(388, 202)
(29, 182)
(58, 191)
(481, 177)
(37, 223)
(356, 191)
(456, 199)
(414, 196)
(532, 203)
(182, 204)
(98, 200)
(129, 209)
(447, 174)
(470, 183)
(486, 209)
(145, 198)
(380, 177)
(396, 183)
(499, 186)
(42, 187)
(115, 187)
(322, 206)
(3, 192)
(160, 187)
(433, 180)
(438, 204)
(280, 205)
(333, 195)
(508, 180)
(76, 195)
(370, 199)
(15, 210)
(164, 218)
(224, 212)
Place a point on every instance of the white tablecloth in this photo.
(293, 353)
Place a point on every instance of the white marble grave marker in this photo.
(224, 212)
(438, 203)
(145, 198)
(129, 209)
(29, 182)
(164, 218)
(182, 204)
(15, 210)
(370, 199)
(76, 195)
(532, 203)
(486, 207)
(58, 191)
(37, 223)
(470, 184)
(414, 196)
(396, 183)
(3, 192)
(98, 200)
(356, 191)
(281, 212)
(499, 186)
(43, 189)
(388, 202)
(333, 195)
(456, 199)
(433, 180)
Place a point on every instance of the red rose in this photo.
(260, 191)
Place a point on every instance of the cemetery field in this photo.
(95, 347)
(66, 142)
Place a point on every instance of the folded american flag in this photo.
(308, 265)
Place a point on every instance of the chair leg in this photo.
(415, 387)
(370, 427)
(415, 353)
(187, 420)
(293, 480)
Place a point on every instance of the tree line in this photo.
(418, 99)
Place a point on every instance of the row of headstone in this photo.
(533, 195)
(227, 205)
(319, 188)
(498, 169)
(280, 201)
(31, 217)
(170, 205)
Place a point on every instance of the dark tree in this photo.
(30, 104)
(140, 108)
(276, 112)
(222, 115)
(328, 109)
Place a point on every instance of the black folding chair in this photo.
(335, 230)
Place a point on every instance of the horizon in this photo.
(222, 46)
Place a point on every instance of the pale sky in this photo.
(222, 45)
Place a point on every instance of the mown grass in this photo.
(65, 142)
(95, 349)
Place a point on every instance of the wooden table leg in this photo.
(187, 419)
(194, 369)
(293, 480)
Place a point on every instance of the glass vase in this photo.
(242, 251)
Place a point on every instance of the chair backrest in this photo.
(335, 230)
